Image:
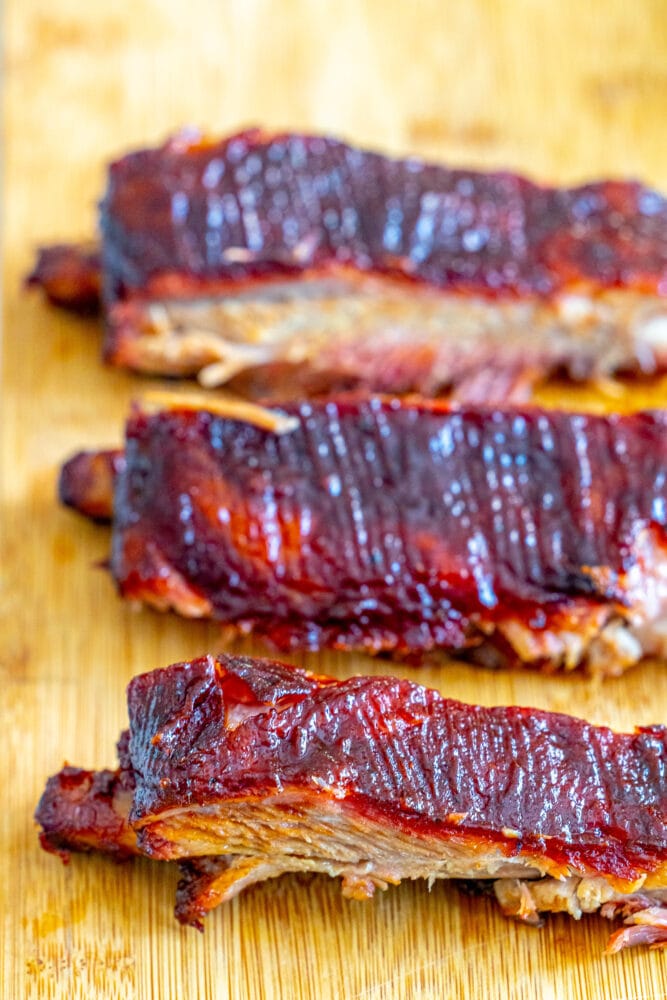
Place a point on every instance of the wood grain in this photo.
(562, 90)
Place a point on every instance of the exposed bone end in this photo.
(84, 810)
(69, 274)
(87, 481)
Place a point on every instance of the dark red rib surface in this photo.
(218, 729)
(387, 524)
(289, 203)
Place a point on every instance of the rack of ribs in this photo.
(243, 769)
(303, 259)
(394, 526)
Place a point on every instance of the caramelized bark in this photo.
(260, 251)
(244, 769)
(404, 527)
(282, 260)
(235, 729)
(255, 205)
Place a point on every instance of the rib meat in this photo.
(245, 769)
(402, 527)
(303, 257)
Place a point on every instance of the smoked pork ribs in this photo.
(301, 260)
(394, 526)
(242, 770)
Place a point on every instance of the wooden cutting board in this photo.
(563, 90)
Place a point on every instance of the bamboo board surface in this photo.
(565, 91)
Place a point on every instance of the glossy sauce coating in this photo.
(255, 205)
(387, 524)
(535, 782)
